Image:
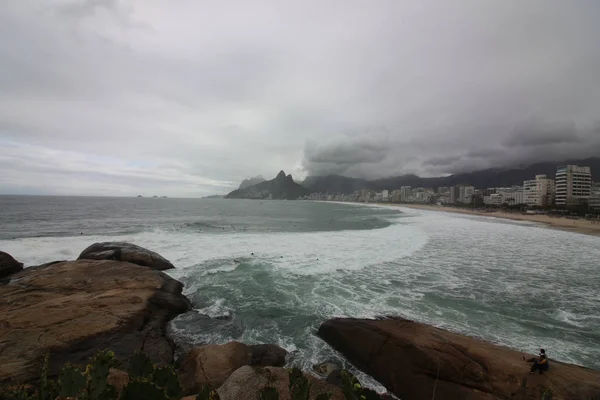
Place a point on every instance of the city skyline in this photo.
(575, 188)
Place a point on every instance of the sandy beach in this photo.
(580, 225)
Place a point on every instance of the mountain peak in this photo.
(280, 175)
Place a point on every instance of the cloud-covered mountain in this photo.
(492, 177)
(251, 181)
(281, 188)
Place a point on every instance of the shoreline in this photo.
(575, 225)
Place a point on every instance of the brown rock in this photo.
(247, 382)
(121, 251)
(8, 265)
(267, 355)
(212, 364)
(117, 378)
(411, 359)
(72, 309)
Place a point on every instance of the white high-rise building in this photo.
(538, 191)
(545, 190)
(573, 185)
(385, 195)
(530, 192)
(465, 193)
(594, 201)
(405, 193)
(512, 195)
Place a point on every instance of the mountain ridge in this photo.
(251, 181)
(486, 178)
(282, 187)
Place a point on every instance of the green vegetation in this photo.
(547, 394)
(150, 382)
(146, 381)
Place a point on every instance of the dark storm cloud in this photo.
(544, 133)
(442, 161)
(117, 96)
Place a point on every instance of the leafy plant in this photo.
(71, 382)
(547, 394)
(299, 385)
(140, 366)
(146, 382)
(166, 377)
(141, 389)
(207, 393)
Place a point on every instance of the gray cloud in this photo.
(130, 96)
(539, 133)
(442, 161)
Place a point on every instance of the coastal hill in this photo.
(492, 177)
(281, 188)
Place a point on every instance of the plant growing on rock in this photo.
(207, 393)
(146, 381)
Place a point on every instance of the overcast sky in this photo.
(187, 98)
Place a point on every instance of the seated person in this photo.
(540, 363)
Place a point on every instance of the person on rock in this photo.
(540, 363)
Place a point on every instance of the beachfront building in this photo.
(365, 196)
(385, 195)
(494, 199)
(405, 193)
(539, 191)
(454, 194)
(465, 193)
(573, 185)
(512, 196)
(530, 192)
(594, 201)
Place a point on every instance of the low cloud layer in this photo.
(127, 97)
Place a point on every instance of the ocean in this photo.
(272, 271)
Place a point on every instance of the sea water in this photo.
(272, 271)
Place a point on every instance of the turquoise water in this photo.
(272, 271)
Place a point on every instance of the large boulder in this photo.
(121, 251)
(247, 383)
(212, 364)
(412, 360)
(8, 265)
(267, 355)
(72, 309)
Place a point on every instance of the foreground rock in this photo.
(121, 251)
(72, 309)
(8, 265)
(213, 364)
(413, 360)
(247, 383)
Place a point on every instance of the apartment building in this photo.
(573, 185)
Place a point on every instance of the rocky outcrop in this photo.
(72, 309)
(267, 355)
(8, 265)
(417, 361)
(247, 382)
(212, 364)
(120, 251)
(282, 187)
